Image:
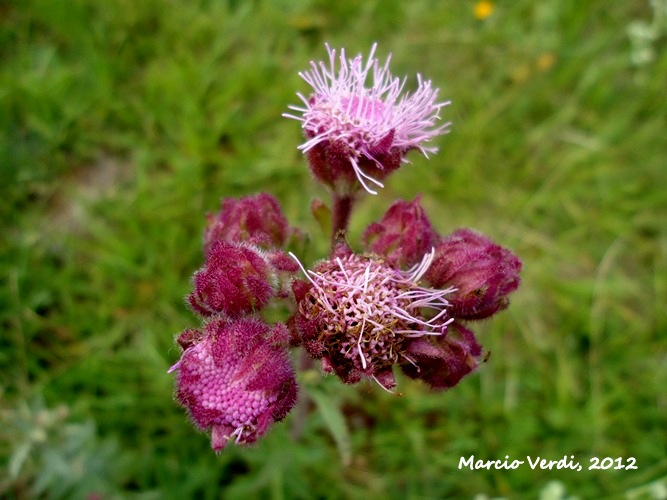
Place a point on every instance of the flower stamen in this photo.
(357, 114)
(372, 310)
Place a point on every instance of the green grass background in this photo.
(123, 123)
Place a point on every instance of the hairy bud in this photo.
(403, 236)
(483, 273)
(235, 280)
(257, 220)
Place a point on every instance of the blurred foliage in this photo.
(123, 123)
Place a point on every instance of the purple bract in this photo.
(483, 273)
(236, 279)
(253, 219)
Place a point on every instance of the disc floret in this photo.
(235, 379)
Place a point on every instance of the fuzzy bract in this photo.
(235, 280)
(441, 362)
(482, 272)
(257, 220)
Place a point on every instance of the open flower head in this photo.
(358, 122)
(359, 315)
(235, 378)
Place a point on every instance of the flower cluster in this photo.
(235, 376)
(362, 314)
(406, 300)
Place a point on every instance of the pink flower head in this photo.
(235, 379)
(483, 274)
(235, 280)
(358, 134)
(403, 236)
(359, 315)
(253, 219)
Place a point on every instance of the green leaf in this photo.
(18, 459)
(322, 214)
(335, 422)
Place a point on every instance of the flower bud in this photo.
(444, 361)
(235, 280)
(253, 219)
(483, 273)
(403, 236)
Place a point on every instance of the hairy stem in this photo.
(342, 210)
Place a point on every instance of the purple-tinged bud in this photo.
(282, 262)
(403, 236)
(284, 268)
(235, 280)
(443, 361)
(483, 273)
(257, 220)
(236, 380)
